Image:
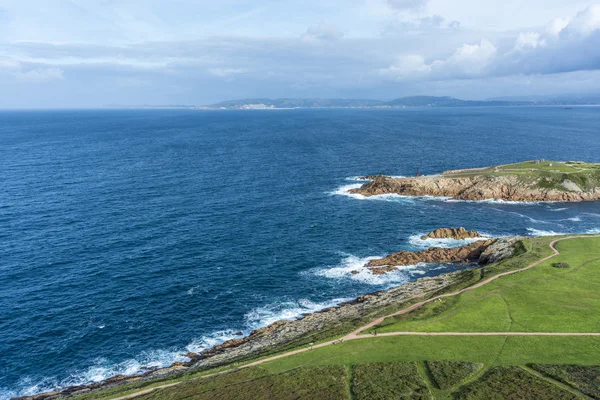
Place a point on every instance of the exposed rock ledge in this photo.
(280, 333)
(452, 233)
(477, 187)
(481, 252)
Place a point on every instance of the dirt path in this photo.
(356, 334)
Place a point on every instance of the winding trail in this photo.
(357, 333)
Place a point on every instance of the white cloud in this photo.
(584, 23)
(468, 61)
(323, 32)
(407, 4)
(227, 72)
(562, 46)
(529, 40)
(40, 75)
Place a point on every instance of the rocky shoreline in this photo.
(477, 187)
(292, 332)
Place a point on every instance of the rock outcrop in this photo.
(452, 233)
(476, 187)
(464, 254)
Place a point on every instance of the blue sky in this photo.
(84, 53)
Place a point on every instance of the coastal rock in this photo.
(499, 250)
(452, 233)
(462, 254)
(477, 187)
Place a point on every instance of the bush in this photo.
(561, 265)
(585, 378)
(447, 374)
(304, 383)
(513, 383)
(382, 381)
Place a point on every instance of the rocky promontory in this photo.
(508, 183)
(479, 252)
(452, 233)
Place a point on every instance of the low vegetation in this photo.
(388, 381)
(513, 383)
(561, 265)
(447, 374)
(584, 378)
(327, 383)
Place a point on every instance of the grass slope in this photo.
(542, 299)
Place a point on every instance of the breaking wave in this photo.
(103, 368)
(287, 310)
(416, 241)
(352, 267)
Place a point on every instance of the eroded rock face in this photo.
(463, 254)
(478, 187)
(452, 233)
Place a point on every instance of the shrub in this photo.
(585, 378)
(561, 265)
(382, 381)
(513, 383)
(447, 374)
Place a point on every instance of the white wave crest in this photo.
(353, 267)
(498, 201)
(288, 310)
(102, 368)
(574, 219)
(558, 209)
(593, 231)
(539, 232)
(345, 191)
(416, 241)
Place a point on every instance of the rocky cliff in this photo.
(476, 187)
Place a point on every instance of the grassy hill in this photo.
(559, 295)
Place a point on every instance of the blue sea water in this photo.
(128, 238)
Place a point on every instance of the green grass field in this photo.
(546, 174)
(542, 299)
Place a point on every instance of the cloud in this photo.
(323, 32)
(40, 75)
(407, 4)
(468, 61)
(562, 46)
(21, 72)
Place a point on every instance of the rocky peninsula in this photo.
(530, 181)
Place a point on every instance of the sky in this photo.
(93, 53)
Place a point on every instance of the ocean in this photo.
(130, 237)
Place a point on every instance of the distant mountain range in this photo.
(413, 101)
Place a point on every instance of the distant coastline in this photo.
(403, 102)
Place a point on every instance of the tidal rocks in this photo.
(463, 254)
(452, 233)
(476, 187)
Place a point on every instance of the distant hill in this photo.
(586, 99)
(413, 101)
(296, 103)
